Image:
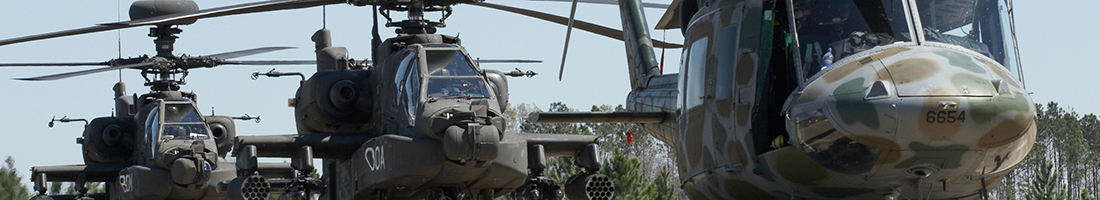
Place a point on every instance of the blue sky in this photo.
(1057, 52)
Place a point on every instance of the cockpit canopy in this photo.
(176, 120)
(840, 28)
(983, 26)
(450, 74)
(443, 69)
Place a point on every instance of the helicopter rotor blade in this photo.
(96, 28)
(246, 8)
(568, 33)
(269, 62)
(611, 2)
(494, 61)
(85, 72)
(247, 52)
(670, 19)
(590, 27)
(51, 64)
(179, 17)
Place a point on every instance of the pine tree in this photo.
(11, 185)
(1044, 184)
(660, 188)
(630, 183)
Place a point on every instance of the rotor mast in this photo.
(415, 22)
(165, 39)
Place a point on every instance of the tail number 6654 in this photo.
(945, 116)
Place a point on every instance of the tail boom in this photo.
(639, 48)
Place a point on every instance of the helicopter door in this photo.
(152, 127)
(693, 98)
(412, 91)
(408, 60)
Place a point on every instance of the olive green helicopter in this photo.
(155, 145)
(419, 120)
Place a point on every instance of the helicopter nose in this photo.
(916, 110)
(187, 171)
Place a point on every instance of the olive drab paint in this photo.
(156, 145)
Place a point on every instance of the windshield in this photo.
(829, 30)
(982, 26)
(444, 87)
(449, 63)
(452, 75)
(182, 121)
(181, 113)
(185, 131)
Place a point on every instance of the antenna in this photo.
(118, 17)
(324, 16)
(374, 40)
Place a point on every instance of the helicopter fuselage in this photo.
(158, 147)
(859, 100)
(423, 122)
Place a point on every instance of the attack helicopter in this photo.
(915, 99)
(422, 120)
(156, 145)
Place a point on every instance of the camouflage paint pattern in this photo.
(927, 115)
(990, 131)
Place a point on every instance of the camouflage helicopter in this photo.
(915, 99)
(156, 145)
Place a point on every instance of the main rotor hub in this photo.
(416, 23)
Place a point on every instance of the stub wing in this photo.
(559, 144)
(285, 146)
(71, 173)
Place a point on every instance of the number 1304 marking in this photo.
(945, 116)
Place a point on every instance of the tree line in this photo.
(1063, 163)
